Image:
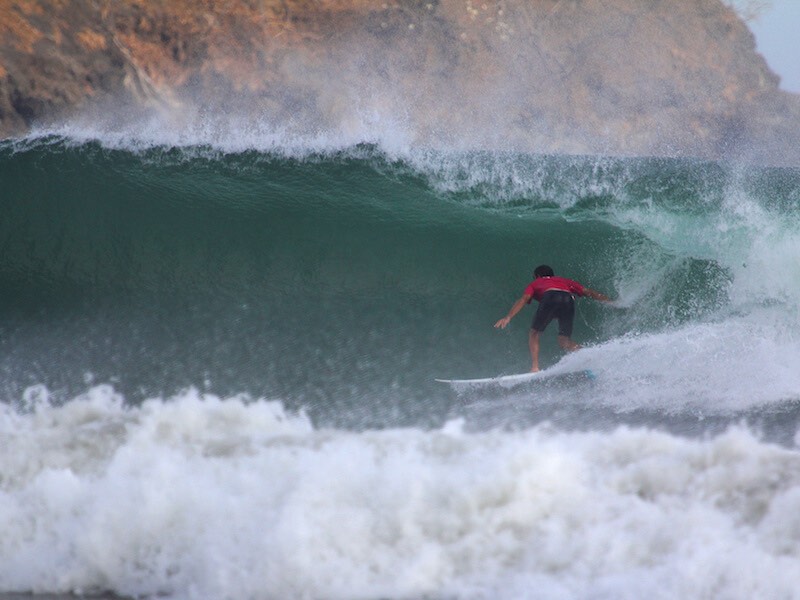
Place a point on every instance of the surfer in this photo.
(556, 301)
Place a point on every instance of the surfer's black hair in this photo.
(543, 271)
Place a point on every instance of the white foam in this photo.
(755, 243)
(198, 497)
(233, 134)
(733, 366)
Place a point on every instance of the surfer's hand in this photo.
(501, 324)
(616, 303)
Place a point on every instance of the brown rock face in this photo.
(587, 76)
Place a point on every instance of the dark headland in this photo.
(621, 77)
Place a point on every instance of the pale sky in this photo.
(777, 34)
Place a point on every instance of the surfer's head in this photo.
(543, 271)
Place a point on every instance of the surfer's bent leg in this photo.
(566, 317)
(543, 316)
(533, 344)
(549, 308)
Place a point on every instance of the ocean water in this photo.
(217, 365)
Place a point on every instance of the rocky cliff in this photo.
(674, 77)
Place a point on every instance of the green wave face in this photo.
(347, 282)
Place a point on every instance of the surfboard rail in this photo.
(519, 378)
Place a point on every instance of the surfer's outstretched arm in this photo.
(501, 324)
(595, 295)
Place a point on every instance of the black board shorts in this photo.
(555, 304)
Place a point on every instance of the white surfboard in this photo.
(512, 380)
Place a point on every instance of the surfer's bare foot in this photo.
(534, 369)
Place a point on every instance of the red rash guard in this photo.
(539, 286)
